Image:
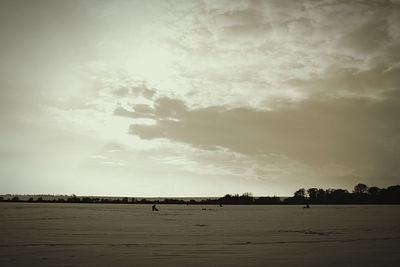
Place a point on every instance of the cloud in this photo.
(346, 131)
(244, 54)
(367, 38)
(133, 90)
(350, 82)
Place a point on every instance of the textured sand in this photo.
(41, 234)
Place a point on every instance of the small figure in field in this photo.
(307, 206)
(154, 208)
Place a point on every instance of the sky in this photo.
(198, 98)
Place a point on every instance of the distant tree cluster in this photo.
(70, 199)
(247, 199)
(362, 194)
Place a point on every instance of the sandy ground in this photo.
(45, 234)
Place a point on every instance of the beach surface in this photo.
(47, 234)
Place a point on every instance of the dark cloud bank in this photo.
(359, 133)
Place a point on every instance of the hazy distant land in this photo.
(362, 194)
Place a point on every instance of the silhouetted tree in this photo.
(143, 200)
(312, 194)
(393, 194)
(245, 198)
(173, 201)
(360, 189)
(299, 197)
(301, 193)
(373, 191)
(321, 195)
(267, 200)
(340, 196)
(73, 199)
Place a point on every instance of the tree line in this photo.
(362, 194)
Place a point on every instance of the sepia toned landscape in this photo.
(199, 133)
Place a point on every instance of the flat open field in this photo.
(45, 234)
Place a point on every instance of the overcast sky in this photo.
(198, 98)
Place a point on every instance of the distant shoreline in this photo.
(196, 204)
(362, 194)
